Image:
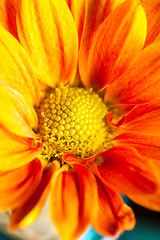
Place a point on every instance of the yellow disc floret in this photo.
(72, 120)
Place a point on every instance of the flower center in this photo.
(72, 120)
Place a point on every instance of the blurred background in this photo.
(147, 227)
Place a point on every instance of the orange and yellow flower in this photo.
(59, 59)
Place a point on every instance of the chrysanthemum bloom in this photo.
(79, 111)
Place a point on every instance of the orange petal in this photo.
(27, 213)
(19, 184)
(140, 83)
(50, 37)
(144, 119)
(128, 172)
(152, 10)
(17, 151)
(151, 202)
(8, 16)
(96, 12)
(148, 146)
(73, 198)
(113, 215)
(16, 115)
(111, 49)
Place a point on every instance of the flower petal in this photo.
(73, 198)
(8, 16)
(144, 119)
(128, 172)
(16, 69)
(120, 35)
(151, 202)
(140, 83)
(16, 115)
(113, 214)
(152, 10)
(78, 10)
(89, 14)
(17, 151)
(50, 37)
(148, 146)
(26, 214)
(17, 183)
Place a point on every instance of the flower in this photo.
(85, 135)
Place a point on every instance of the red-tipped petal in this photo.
(8, 16)
(109, 51)
(113, 215)
(18, 185)
(73, 200)
(27, 213)
(50, 38)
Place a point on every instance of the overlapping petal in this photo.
(73, 201)
(113, 215)
(16, 69)
(50, 37)
(8, 16)
(148, 146)
(109, 51)
(140, 83)
(128, 172)
(26, 213)
(16, 114)
(17, 151)
(144, 119)
(152, 10)
(18, 185)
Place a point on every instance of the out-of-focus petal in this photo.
(8, 16)
(148, 146)
(109, 51)
(152, 10)
(144, 119)
(26, 214)
(18, 185)
(140, 83)
(73, 201)
(50, 38)
(16, 115)
(128, 172)
(16, 69)
(16, 151)
(113, 214)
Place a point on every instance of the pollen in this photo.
(72, 120)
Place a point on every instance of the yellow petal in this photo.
(16, 115)
(48, 33)
(16, 69)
